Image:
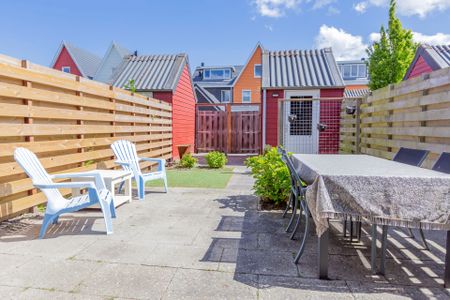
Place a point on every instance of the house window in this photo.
(225, 96)
(65, 69)
(246, 96)
(217, 74)
(257, 71)
(353, 71)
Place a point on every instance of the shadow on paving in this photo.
(264, 249)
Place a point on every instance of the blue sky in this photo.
(210, 31)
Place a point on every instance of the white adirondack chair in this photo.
(56, 203)
(126, 155)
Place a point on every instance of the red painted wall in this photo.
(183, 112)
(272, 116)
(65, 60)
(420, 67)
(330, 111)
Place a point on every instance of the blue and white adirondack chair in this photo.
(126, 155)
(56, 203)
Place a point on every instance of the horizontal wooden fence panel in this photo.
(70, 123)
(414, 114)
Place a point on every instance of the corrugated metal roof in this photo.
(437, 57)
(86, 61)
(300, 69)
(356, 93)
(150, 72)
(441, 54)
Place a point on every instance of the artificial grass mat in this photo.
(198, 177)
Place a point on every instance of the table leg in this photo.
(373, 250)
(383, 249)
(110, 187)
(447, 263)
(323, 255)
(127, 189)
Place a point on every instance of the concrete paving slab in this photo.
(195, 284)
(127, 281)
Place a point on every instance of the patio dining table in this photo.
(375, 191)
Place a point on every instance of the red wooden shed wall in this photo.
(65, 60)
(272, 116)
(330, 112)
(183, 113)
(419, 68)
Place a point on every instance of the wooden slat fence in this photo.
(245, 132)
(211, 131)
(414, 113)
(70, 123)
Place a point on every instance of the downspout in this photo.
(264, 119)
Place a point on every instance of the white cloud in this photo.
(345, 45)
(279, 8)
(360, 7)
(333, 11)
(407, 7)
(275, 8)
(269, 27)
(321, 3)
(435, 39)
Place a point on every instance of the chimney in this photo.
(135, 53)
(202, 64)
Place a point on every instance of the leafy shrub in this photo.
(188, 161)
(272, 178)
(216, 159)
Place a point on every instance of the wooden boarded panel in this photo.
(414, 114)
(70, 123)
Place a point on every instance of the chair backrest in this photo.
(34, 169)
(295, 178)
(413, 157)
(443, 163)
(126, 151)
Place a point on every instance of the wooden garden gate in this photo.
(230, 128)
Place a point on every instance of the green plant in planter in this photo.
(216, 159)
(188, 161)
(272, 178)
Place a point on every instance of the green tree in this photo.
(130, 86)
(390, 57)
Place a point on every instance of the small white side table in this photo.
(111, 178)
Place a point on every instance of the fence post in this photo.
(358, 126)
(228, 110)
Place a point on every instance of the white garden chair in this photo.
(127, 157)
(56, 203)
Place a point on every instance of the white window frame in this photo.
(65, 67)
(222, 92)
(250, 96)
(254, 70)
(215, 69)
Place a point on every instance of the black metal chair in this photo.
(296, 201)
(413, 157)
(442, 164)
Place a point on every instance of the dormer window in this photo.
(65, 69)
(217, 74)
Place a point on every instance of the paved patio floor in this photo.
(204, 244)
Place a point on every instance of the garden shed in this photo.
(166, 78)
(302, 96)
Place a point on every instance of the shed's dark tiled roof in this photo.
(300, 69)
(151, 72)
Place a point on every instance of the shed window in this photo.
(257, 70)
(65, 69)
(246, 96)
(302, 110)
